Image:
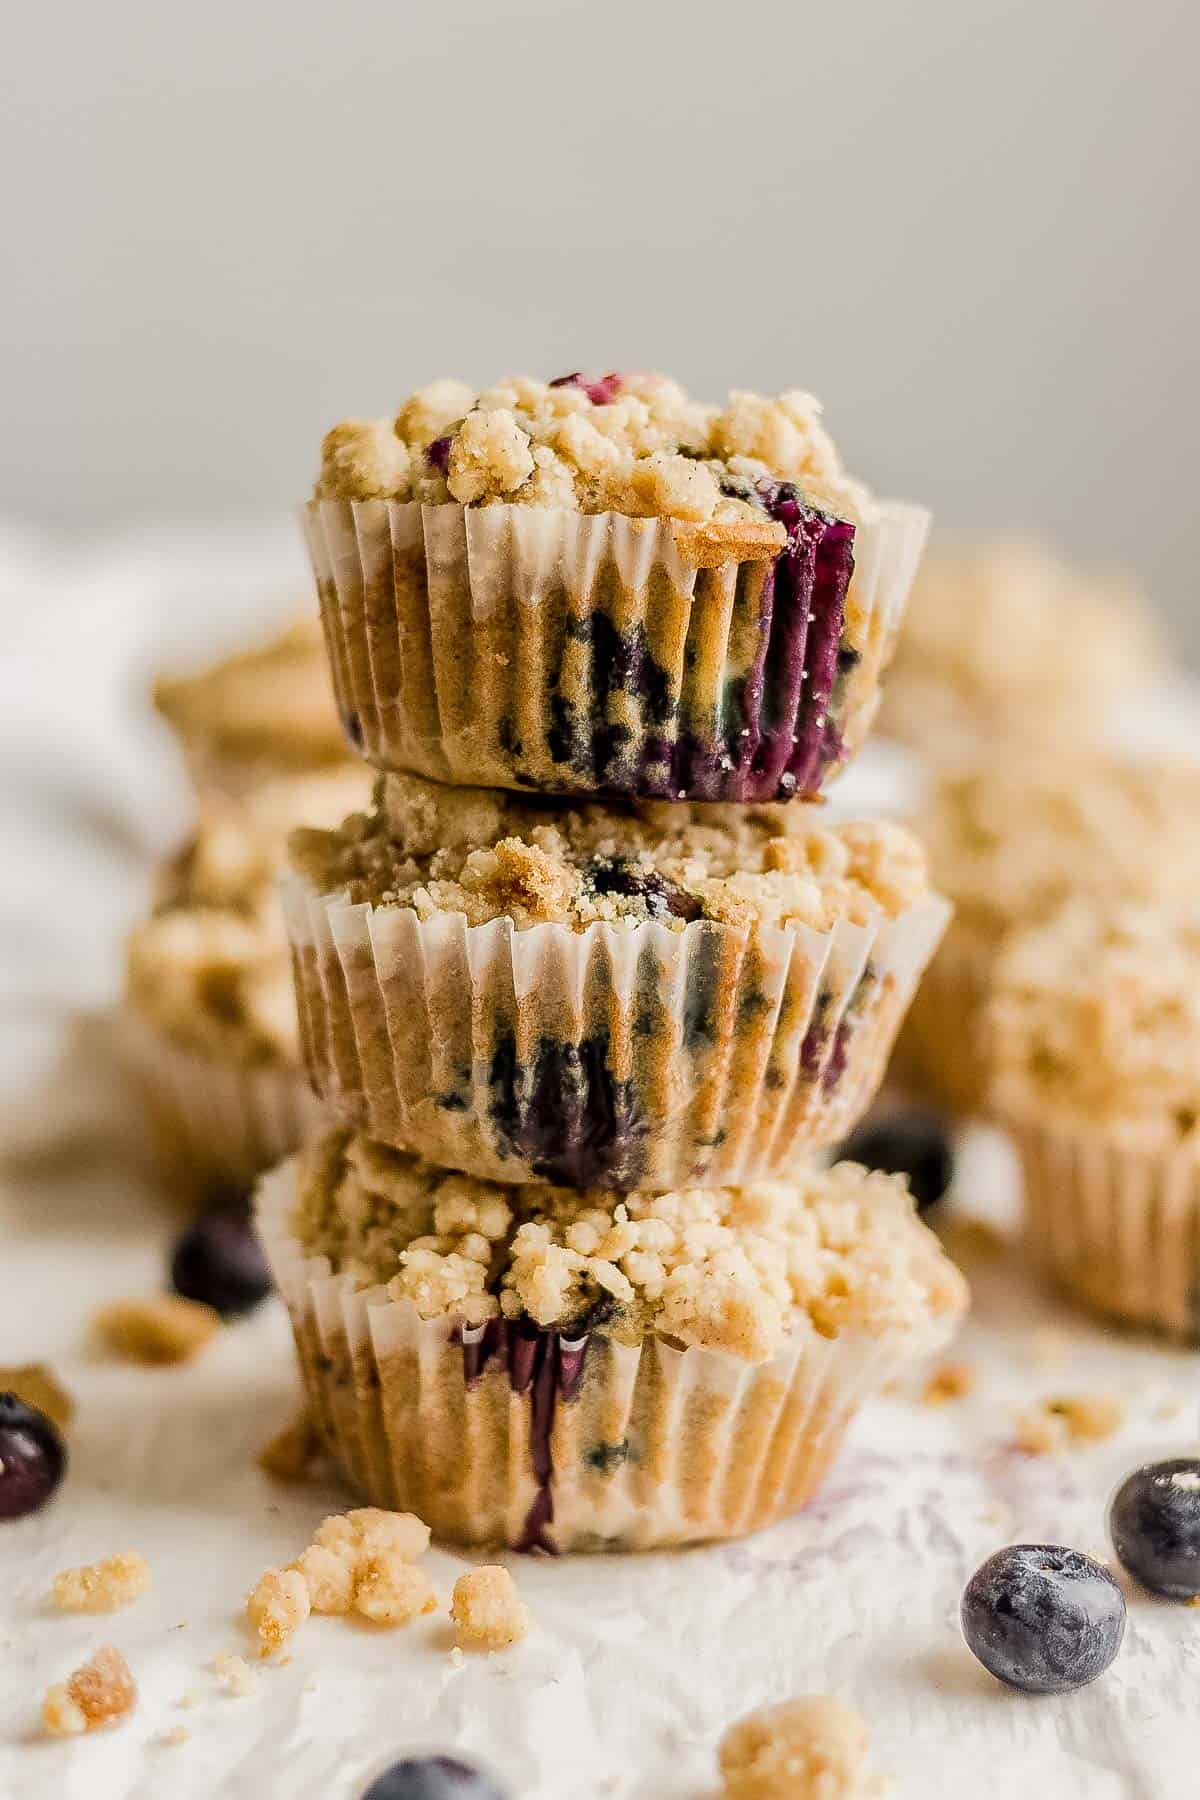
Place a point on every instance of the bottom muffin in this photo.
(1094, 1026)
(555, 1370)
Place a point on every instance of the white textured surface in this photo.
(636, 1664)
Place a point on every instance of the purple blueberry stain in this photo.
(437, 454)
(661, 897)
(33, 1457)
(566, 1113)
(1043, 1618)
(1154, 1522)
(600, 390)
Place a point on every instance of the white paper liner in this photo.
(214, 1122)
(1116, 1225)
(941, 1053)
(704, 1055)
(458, 635)
(663, 1445)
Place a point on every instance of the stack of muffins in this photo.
(591, 983)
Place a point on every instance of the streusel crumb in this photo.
(103, 1586)
(235, 1675)
(814, 1748)
(631, 443)
(100, 1692)
(487, 1611)
(278, 1607)
(330, 1578)
(391, 1591)
(1053, 1424)
(38, 1386)
(953, 1381)
(163, 1329)
(289, 1456)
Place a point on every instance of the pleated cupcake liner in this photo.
(1116, 1225)
(527, 647)
(214, 1123)
(512, 1435)
(941, 1053)
(638, 1057)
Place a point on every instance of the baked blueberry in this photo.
(1043, 1618)
(219, 1260)
(33, 1458)
(1154, 1521)
(617, 875)
(433, 1778)
(912, 1144)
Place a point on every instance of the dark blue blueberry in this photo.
(1154, 1521)
(219, 1260)
(618, 875)
(33, 1457)
(1043, 1618)
(437, 454)
(433, 1778)
(912, 1144)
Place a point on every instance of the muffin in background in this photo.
(1094, 1028)
(263, 713)
(1003, 642)
(209, 1027)
(556, 1370)
(1010, 839)
(603, 994)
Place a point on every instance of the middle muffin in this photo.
(628, 994)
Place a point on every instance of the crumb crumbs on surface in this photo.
(103, 1586)
(192, 1698)
(101, 1692)
(391, 1591)
(291, 1453)
(953, 1381)
(1052, 1424)
(457, 1658)
(178, 1734)
(811, 1748)
(277, 1607)
(235, 1675)
(487, 1611)
(360, 1561)
(165, 1328)
(38, 1386)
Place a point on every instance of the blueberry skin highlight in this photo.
(433, 1778)
(1043, 1618)
(33, 1458)
(912, 1144)
(1154, 1523)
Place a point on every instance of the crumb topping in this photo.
(1008, 840)
(738, 1269)
(1003, 634)
(163, 1329)
(813, 1748)
(101, 1692)
(358, 1561)
(271, 705)
(487, 1611)
(1096, 1013)
(103, 1586)
(630, 443)
(211, 967)
(489, 854)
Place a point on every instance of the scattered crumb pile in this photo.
(812, 1748)
(103, 1586)
(100, 1692)
(163, 1329)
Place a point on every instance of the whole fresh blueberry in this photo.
(433, 1778)
(913, 1144)
(1154, 1521)
(33, 1457)
(1043, 1618)
(219, 1260)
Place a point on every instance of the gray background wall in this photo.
(970, 226)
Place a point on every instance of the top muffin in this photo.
(629, 443)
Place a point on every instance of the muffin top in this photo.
(271, 705)
(1096, 1014)
(1004, 635)
(492, 854)
(210, 966)
(738, 1269)
(1007, 840)
(630, 443)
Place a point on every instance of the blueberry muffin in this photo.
(603, 587)
(1003, 642)
(628, 994)
(1009, 839)
(1095, 1033)
(264, 713)
(557, 1370)
(210, 1030)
